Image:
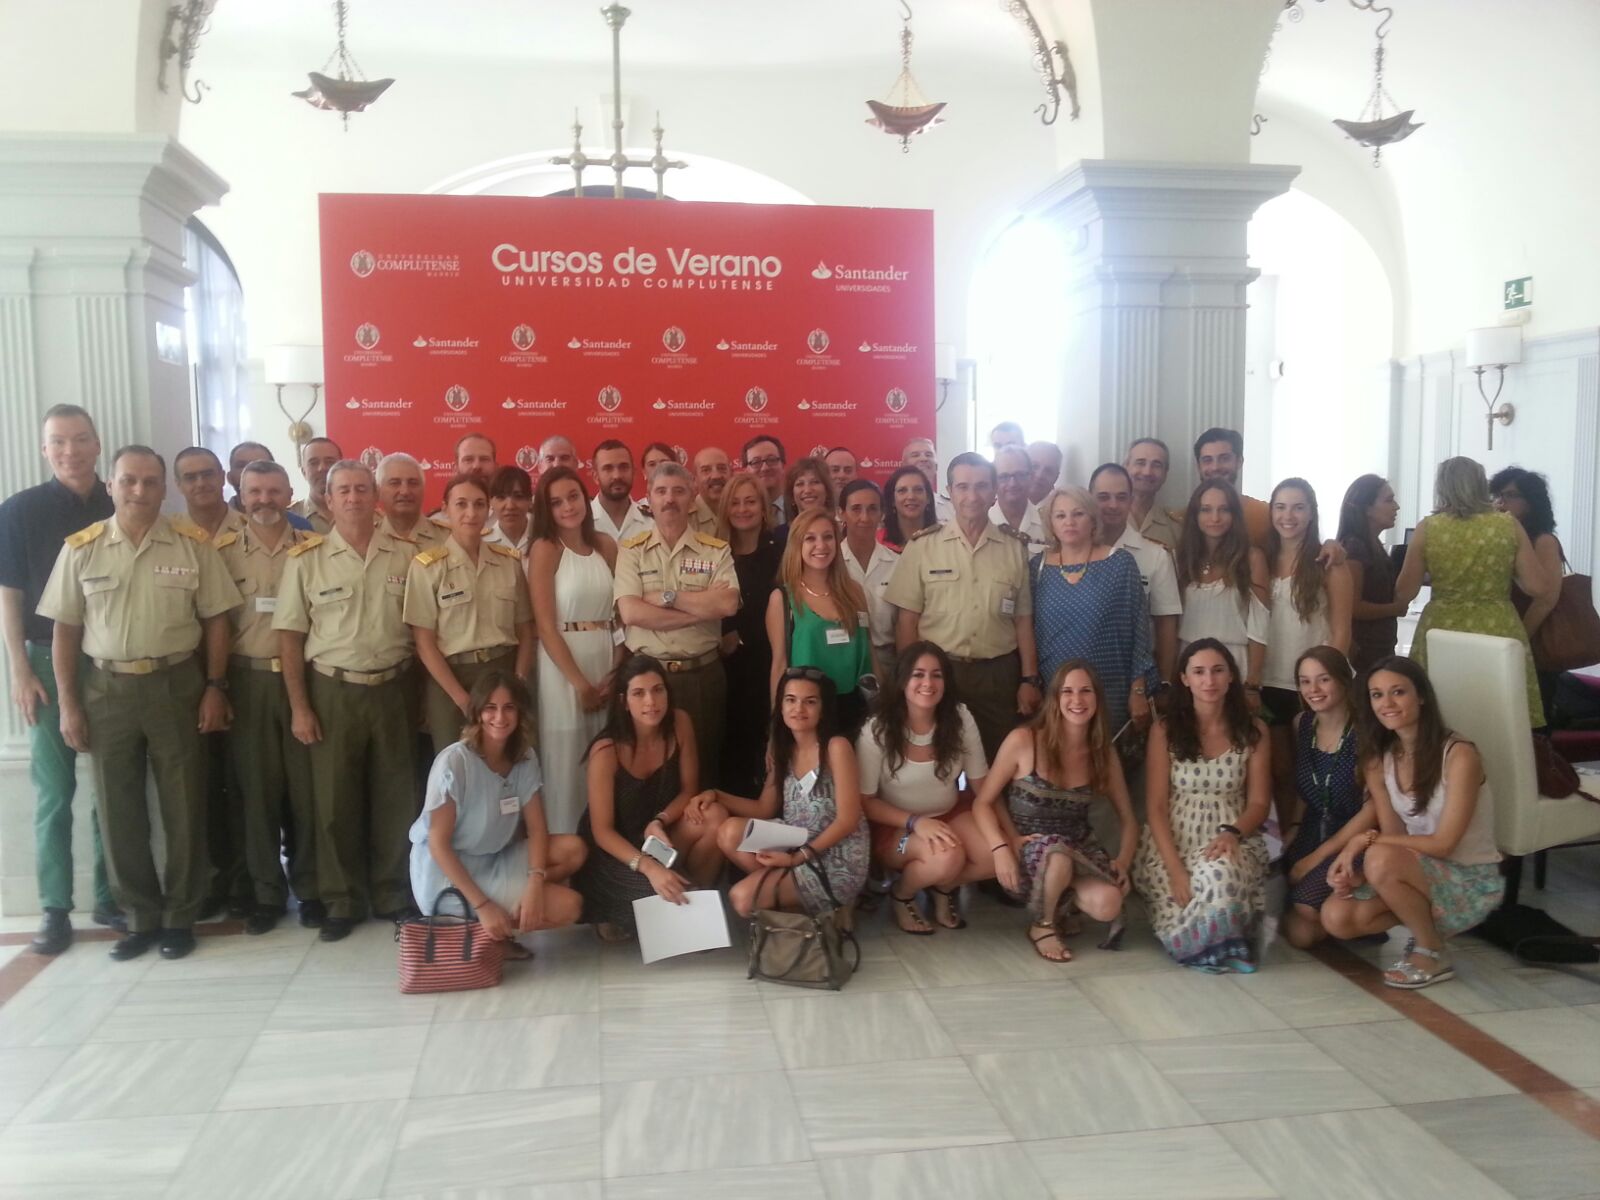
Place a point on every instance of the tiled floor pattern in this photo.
(960, 1065)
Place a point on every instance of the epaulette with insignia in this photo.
(705, 539)
(86, 535)
(645, 509)
(1016, 533)
(440, 521)
(227, 539)
(189, 529)
(638, 539)
(926, 530)
(432, 555)
(408, 538)
(311, 543)
(508, 551)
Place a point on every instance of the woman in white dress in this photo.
(569, 574)
(1224, 581)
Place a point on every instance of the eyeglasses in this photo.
(1015, 477)
(772, 461)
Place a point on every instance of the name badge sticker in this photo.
(618, 636)
(1008, 606)
(806, 782)
(508, 805)
(266, 604)
(838, 637)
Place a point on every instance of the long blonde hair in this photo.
(846, 594)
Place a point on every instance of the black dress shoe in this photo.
(262, 920)
(212, 908)
(409, 912)
(55, 933)
(313, 913)
(177, 943)
(112, 918)
(134, 944)
(240, 910)
(335, 929)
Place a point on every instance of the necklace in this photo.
(810, 592)
(913, 738)
(1070, 569)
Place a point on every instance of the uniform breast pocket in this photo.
(176, 595)
(941, 588)
(99, 594)
(453, 598)
(330, 602)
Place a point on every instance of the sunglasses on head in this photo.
(811, 674)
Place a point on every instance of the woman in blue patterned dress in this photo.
(812, 772)
(1089, 603)
(1202, 865)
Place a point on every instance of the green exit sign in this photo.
(1519, 292)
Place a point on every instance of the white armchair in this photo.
(1481, 682)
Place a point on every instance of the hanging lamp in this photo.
(905, 112)
(1374, 128)
(349, 91)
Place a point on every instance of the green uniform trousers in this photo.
(703, 694)
(444, 720)
(361, 784)
(52, 765)
(272, 782)
(135, 722)
(230, 881)
(988, 687)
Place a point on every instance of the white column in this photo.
(1154, 342)
(91, 262)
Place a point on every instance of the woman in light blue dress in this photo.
(483, 791)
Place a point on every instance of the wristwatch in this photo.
(220, 684)
(1036, 680)
(669, 599)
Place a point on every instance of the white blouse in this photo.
(915, 787)
(1213, 610)
(1288, 637)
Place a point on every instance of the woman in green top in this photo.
(817, 616)
(1471, 554)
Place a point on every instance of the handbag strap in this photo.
(762, 882)
(822, 877)
(466, 911)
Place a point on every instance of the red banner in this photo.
(687, 323)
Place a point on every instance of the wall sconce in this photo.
(186, 23)
(1495, 347)
(944, 370)
(288, 366)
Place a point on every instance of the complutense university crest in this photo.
(755, 399)
(674, 339)
(456, 398)
(367, 335)
(817, 341)
(522, 337)
(363, 263)
(610, 398)
(896, 400)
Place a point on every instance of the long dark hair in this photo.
(1183, 726)
(891, 516)
(1361, 495)
(619, 722)
(1233, 549)
(1535, 490)
(780, 745)
(1050, 728)
(1376, 742)
(1309, 580)
(522, 738)
(1332, 660)
(892, 720)
(544, 522)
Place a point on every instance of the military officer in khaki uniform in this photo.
(140, 595)
(316, 458)
(400, 489)
(964, 586)
(271, 769)
(345, 651)
(468, 608)
(673, 586)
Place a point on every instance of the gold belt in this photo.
(364, 678)
(675, 665)
(274, 664)
(491, 654)
(142, 666)
(587, 626)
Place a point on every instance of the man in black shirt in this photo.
(33, 524)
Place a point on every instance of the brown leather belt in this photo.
(675, 665)
(964, 660)
(587, 626)
(274, 664)
(490, 654)
(364, 678)
(142, 666)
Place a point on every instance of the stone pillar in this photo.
(91, 276)
(1154, 342)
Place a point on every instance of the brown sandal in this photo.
(952, 896)
(908, 908)
(1050, 932)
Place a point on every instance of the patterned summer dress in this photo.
(1332, 787)
(1470, 562)
(845, 862)
(1060, 819)
(1229, 895)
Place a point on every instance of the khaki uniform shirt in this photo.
(232, 523)
(348, 608)
(144, 601)
(426, 533)
(1162, 526)
(469, 606)
(305, 508)
(702, 517)
(256, 571)
(968, 597)
(647, 566)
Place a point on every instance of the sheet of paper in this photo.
(667, 929)
(772, 835)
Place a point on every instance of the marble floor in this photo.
(959, 1065)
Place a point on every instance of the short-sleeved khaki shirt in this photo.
(469, 606)
(1163, 526)
(968, 596)
(702, 518)
(232, 522)
(647, 566)
(307, 508)
(426, 533)
(256, 570)
(348, 607)
(138, 601)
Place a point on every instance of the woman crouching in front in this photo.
(481, 790)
